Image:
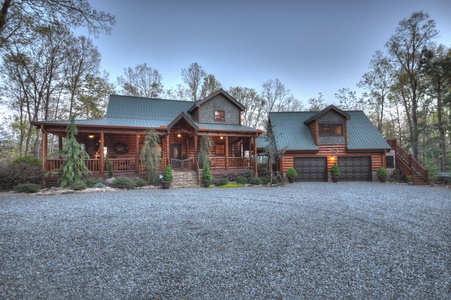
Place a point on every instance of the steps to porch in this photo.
(184, 179)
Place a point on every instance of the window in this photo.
(331, 129)
(219, 116)
(390, 162)
(220, 149)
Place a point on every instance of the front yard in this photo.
(305, 240)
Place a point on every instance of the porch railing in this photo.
(129, 164)
(233, 162)
(182, 163)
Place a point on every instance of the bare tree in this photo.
(317, 104)
(377, 84)
(142, 81)
(193, 76)
(209, 86)
(254, 105)
(18, 16)
(82, 58)
(405, 47)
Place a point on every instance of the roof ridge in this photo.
(147, 98)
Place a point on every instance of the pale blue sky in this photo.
(310, 46)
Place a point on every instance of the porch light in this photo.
(179, 135)
(221, 137)
(91, 136)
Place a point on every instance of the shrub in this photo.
(14, 174)
(221, 181)
(29, 160)
(206, 173)
(263, 169)
(139, 182)
(167, 174)
(265, 180)
(241, 179)
(27, 188)
(382, 172)
(78, 186)
(335, 170)
(124, 183)
(92, 181)
(255, 181)
(109, 166)
(291, 173)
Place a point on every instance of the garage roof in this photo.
(292, 133)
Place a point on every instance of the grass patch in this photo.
(231, 185)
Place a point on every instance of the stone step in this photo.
(183, 179)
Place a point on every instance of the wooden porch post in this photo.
(168, 151)
(255, 157)
(44, 146)
(60, 143)
(196, 164)
(137, 154)
(102, 154)
(227, 152)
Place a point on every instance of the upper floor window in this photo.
(331, 129)
(219, 116)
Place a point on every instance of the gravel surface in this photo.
(305, 240)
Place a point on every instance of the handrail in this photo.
(182, 163)
(407, 164)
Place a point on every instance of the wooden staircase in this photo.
(409, 166)
(185, 178)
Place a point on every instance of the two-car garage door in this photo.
(352, 168)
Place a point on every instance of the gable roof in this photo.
(211, 96)
(292, 133)
(317, 115)
(138, 112)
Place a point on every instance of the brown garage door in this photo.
(311, 168)
(356, 168)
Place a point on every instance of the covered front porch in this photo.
(116, 151)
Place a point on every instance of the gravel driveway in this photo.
(305, 240)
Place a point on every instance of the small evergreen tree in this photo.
(150, 155)
(205, 146)
(271, 150)
(74, 167)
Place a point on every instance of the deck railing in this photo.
(233, 162)
(182, 163)
(128, 164)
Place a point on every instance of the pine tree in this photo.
(74, 167)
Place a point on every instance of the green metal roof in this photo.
(290, 131)
(127, 107)
(292, 134)
(362, 134)
(128, 111)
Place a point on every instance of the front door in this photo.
(176, 151)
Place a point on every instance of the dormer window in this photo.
(219, 116)
(331, 129)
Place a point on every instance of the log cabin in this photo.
(116, 140)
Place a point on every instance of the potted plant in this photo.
(167, 177)
(335, 172)
(291, 174)
(409, 179)
(206, 176)
(382, 174)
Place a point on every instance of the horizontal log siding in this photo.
(377, 159)
(128, 139)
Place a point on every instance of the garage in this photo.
(355, 168)
(311, 168)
